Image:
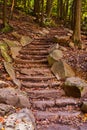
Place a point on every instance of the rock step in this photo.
(63, 102)
(18, 60)
(41, 84)
(55, 116)
(33, 52)
(45, 93)
(35, 78)
(32, 70)
(29, 77)
(57, 127)
(40, 39)
(31, 57)
(40, 43)
(35, 73)
(37, 46)
(34, 49)
(28, 66)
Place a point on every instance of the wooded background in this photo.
(70, 13)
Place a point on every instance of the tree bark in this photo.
(73, 14)
(77, 27)
(4, 13)
(66, 9)
(42, 12)
(12, 8)
(49, 4)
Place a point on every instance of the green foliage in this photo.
(27, 6)
(50, 22)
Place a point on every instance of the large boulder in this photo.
(11, 43)
(25, 40)
(10, 70)
(84, 106)
(62, 70)
(6, 109)
(14, 97)
(5, 51)
(54, 56)
(15, 51)
(63, 40)
(75, 86)
(20, 120)
(14, 46)
(53, 47)
(5, 55)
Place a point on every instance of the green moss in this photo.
(7, 28)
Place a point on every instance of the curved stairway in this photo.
(52, 109)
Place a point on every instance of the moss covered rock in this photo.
(25, 40)
(5, 52)
(54, 56)
(75, 87)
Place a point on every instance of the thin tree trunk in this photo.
(4, 13)
(42, 12)
(49, 7)
(73, 14)
(66, 10)
(60, 9)
(77, 27)
(12, 8)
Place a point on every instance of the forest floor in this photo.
(40, 84)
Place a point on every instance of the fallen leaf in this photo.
(2, 128)
(1, 119)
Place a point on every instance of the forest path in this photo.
(52, 109)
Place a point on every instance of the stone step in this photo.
(64, 101)
(34, 49)
(32, 57)
(43, 104)
(45, 93)
(57, 127)
(41, 84)
(44, 52)
(18, 60)
(40, 43)
(36, 71)
(51, 107)
(35, 78)
(37, 46)
(56, 116)
(28, 66)
(61, 102)
(40, 39)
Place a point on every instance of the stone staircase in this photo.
(52, 109)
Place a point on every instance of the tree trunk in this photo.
(76, 37)
(12, 8)
(36, 7)
(73, 14)
(60, 9)
(49, 7)
(42, 12)
(4, 13)
(66, 10)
